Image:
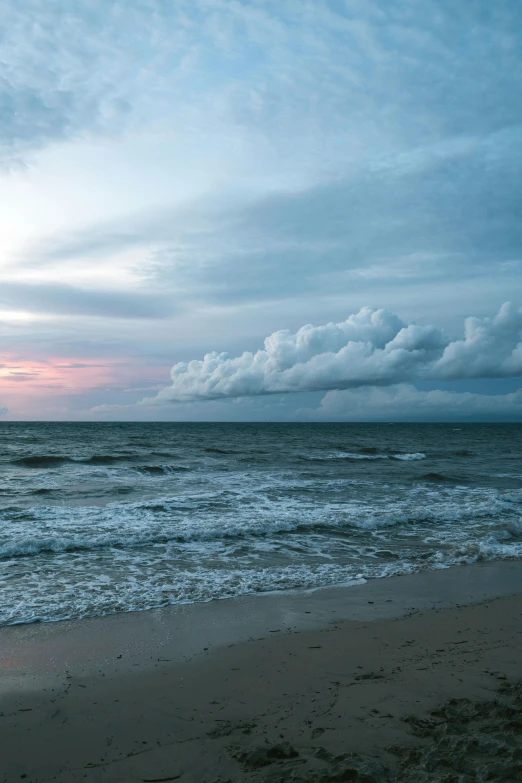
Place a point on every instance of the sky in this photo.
(260, 210)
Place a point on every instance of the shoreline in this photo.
(180, 631)
(199, 690)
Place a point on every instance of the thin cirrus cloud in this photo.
(57, 79)
(371, 348)
(375, 72)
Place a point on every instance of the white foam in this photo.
(186, 518)
(120, 583)
(361, 456)
(354, 456)
(230, 534)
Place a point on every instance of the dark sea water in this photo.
(102, 518)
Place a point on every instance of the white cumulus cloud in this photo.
(371, 348)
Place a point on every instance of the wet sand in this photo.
(276, 688)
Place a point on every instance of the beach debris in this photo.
(262, 755)
(464, 742)
(324, 755)
(161, 780)
(354, 768)
(369, 676)
(226, 728)
(471, 741)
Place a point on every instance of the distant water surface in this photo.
(103, 518)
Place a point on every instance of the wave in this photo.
(35, 545)
(127, 526)
(356, 456)
(103, 459)
(31, 546)
(56, 460)
(212, 450)
(484, 550)
(196, 585)
(438, 477)
(160, 470)
(93, 593)
(49, 461)
(346, 455)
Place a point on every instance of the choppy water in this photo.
(101, 518)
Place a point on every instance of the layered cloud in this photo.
(64, 299)
(371, 348)
(444, 213)
(405, 402)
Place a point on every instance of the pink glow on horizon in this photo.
(27, 387)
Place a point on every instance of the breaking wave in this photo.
(368, 455)
(96, 519)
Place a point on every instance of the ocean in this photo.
(104, 518)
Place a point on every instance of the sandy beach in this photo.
(412, 678)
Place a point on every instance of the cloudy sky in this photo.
(260, 209)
